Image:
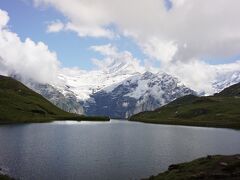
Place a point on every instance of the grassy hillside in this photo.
(5, 177)
(233, 90)
(20, 104)
(220, 110)
(210, 167)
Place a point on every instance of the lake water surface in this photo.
(105, 150)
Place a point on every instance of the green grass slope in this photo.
(5, 177)
(208, 168)
(233, 90)
(220, 110)
(20, 104)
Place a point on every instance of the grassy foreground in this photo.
(19, 104)
(208, 168)
(220, 110)
(5, 177)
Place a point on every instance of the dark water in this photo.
(115, 150)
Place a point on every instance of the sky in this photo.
(29, 21)
(186, 38)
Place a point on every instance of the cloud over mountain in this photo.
(183, 36)
(188, 29)
(116, 61)
(26, 58)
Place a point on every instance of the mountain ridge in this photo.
(19, 104)
(220, 110)
(141, 92)
(77, 90)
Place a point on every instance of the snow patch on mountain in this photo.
(84, 83)
(120, 87)
(225, 80)
(68, 101)
(138, 93)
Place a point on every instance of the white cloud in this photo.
(191, 29)
(163, 51)
(199, 75)
(4, 18)
(106, 50)
(26, 58)
(179, 37)
(84, 17)
(195, 74)
(93, 31)
(55, 26)
(115, 61)
(81, 30)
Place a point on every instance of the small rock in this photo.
(223, 164)
(173, 166)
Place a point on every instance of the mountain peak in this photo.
(123, 66)
(137, 93)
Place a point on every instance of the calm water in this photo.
(110, 150)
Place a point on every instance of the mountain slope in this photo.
(85, 83)
(225, 79)
(67, 102)
(221, 110)
(138, 93)
(20, 104)
(233, 90)
(120, 88)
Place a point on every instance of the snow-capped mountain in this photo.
(85, 83)
(225, 80)
(121, 92)
(74, 87)
(67, 101)
(120, 89)
(138, 93)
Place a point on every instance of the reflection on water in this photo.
(106, 150)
